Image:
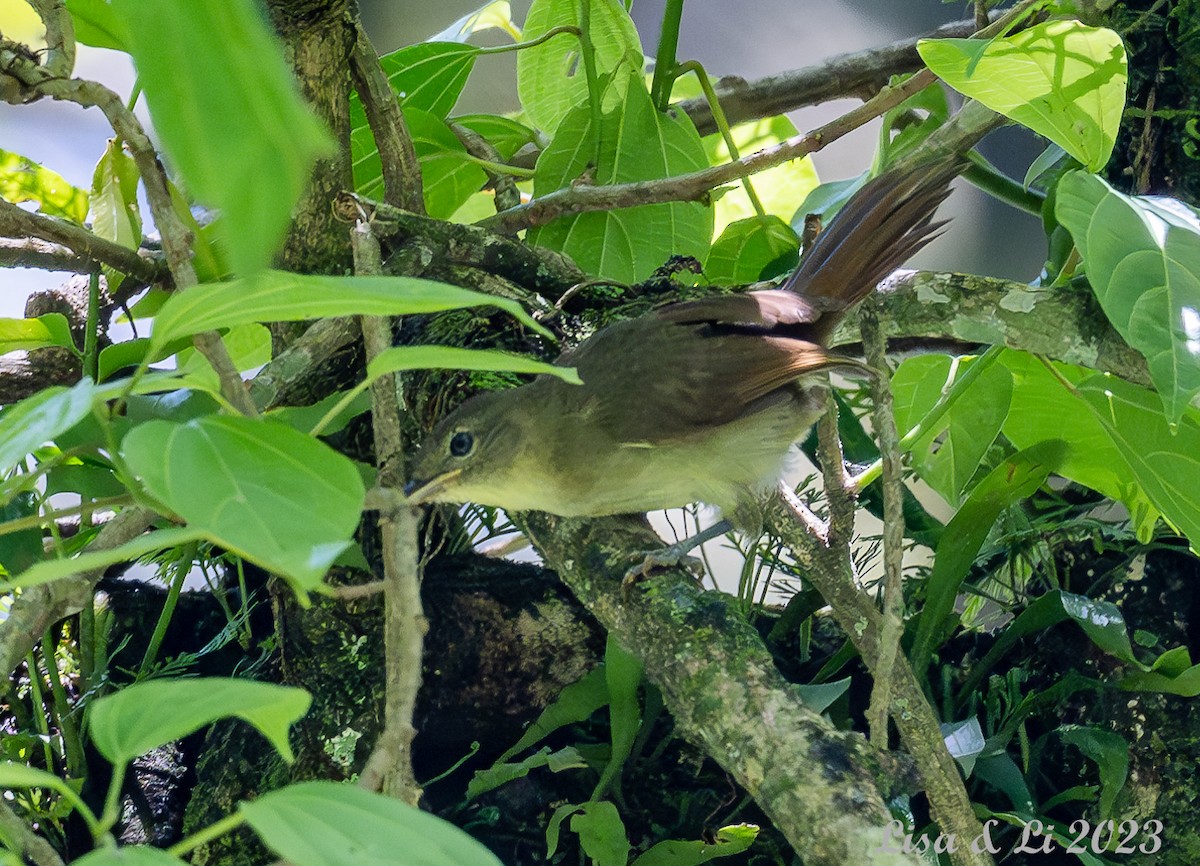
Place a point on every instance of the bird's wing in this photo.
(693, 366)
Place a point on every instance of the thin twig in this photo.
(893, 523)
(404, 620)
(696, 185)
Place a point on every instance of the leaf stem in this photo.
(212, 831)
(666, 68)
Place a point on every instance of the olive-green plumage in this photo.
(695, 402)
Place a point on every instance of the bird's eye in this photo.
(461, 443)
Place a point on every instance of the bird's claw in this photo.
(658, 560)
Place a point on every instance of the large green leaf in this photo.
(949, 453)
(550, 77)
(1013, 480)
(1043, 409)
(331, 824)
(1143, 261)
(22, 179)
(1165, 461)
(751, 249)
(623, 675)
(287, 297)
(1059, 78)
(50, 329)
(636, 143)
(228, 113)
(38, 419)
(259, 488)
(146, 715)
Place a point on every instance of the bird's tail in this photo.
(875, 232)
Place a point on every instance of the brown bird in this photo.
(694, 402)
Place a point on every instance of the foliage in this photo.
(988, 433)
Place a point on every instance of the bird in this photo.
(694, 402)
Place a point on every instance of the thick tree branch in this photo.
(824, 789)
(401, 172)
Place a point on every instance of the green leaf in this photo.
(430, 76)
(96, 24)
(1162, 459)
(22, 179)
(496, 15)
(1110, 752)
(964, 741)
(575, 703)
(115, 213)
(1013, 480)
(304, 418)
(128, 855)
(778, 188)
(14, 775)
(50, 329)
(602, 833)
(752, 249)
(501, 773)
(88, 480)
(1043, 409)
(729, 840)
(453, 358)
(1101, 621)
(550, 77)
(38, 419)
(623, 675)
(505, 134)
(819, 697)
(152, 713)
(19, 550)
(448, 177)
(950, 453)
(1143, 262)
(229, 115)
(279, 296)
(1059, 78)
(331, 824)
(636, 143)
(93, 560)
(909, 124)
(268, 493)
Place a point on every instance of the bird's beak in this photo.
(420, 492)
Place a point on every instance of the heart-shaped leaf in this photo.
(1143, 262)
(1061, 79)
(149, 714)
(257, 487)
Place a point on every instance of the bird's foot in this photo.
(674, 556)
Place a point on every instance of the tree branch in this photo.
(72, 241)
(824, 789)
(858, 73)
(401, 172)
(696, 185)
